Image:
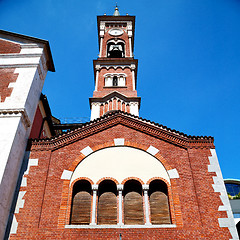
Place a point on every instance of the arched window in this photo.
(158, 198)
(107, 203)
(81, 203)
(116, 49)
(115, 81)
(133, 203)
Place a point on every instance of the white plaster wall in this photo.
(31, 67)
(120, 163)
(10, 161)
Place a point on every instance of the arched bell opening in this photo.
(158, 200)
(133, 203)
(116, 49)
(107, 203)
(81, 203)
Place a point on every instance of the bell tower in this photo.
(115, 70)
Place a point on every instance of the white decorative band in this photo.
(17, 112)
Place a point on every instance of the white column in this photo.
(130, 46)
(133, 67)
(94, 204)
(120, 207)
(100, 51)
(97, 75)
(145, 190)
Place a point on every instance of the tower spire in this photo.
(116, 12)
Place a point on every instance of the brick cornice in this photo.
(128, 120)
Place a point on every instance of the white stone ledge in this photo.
(19, 65)
(20, 55)
(122, 226)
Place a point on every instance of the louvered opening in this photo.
(81, 203)
(107, 203)
(133, 203)
(158, 200)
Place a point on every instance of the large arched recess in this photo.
(120, 163)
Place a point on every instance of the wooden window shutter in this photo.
(159, 208)
(133, 209)
(107, 209)
(81, 208)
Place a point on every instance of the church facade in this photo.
(119, 176)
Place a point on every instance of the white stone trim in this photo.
(152, 150)
(219, 186)
(16, 112)
(14, 226)
(20, 201)
(173, 173)
(119, 141)
(86, 151)
(24, 182)
(122, 226)
(66, 175)
(31, 162)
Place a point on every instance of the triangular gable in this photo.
(118, 117)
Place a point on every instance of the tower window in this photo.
(115, 50)
(115, 81)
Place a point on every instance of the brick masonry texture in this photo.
(193, 202)
(6, 76)
(9, 47)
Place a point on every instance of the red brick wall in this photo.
(37, 124)
(9, 47)
(194, 205)
(7, 76)
(108, 37)
(103, 91)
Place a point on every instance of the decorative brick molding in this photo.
(107, 178)
(132, 178)
(118, 117)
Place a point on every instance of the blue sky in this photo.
(189, 61)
